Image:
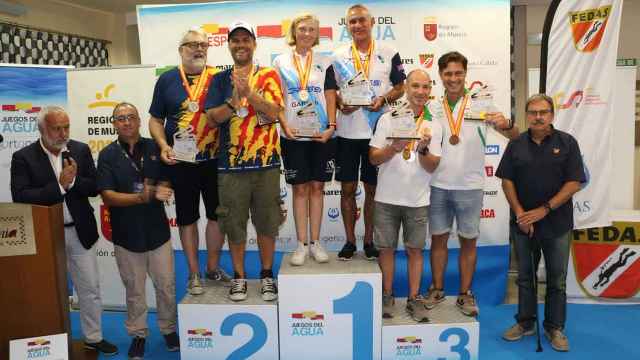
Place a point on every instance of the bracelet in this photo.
(547, 206)
(333, 125)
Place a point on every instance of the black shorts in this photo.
(188, 182)
(353, 154)
(306, 161)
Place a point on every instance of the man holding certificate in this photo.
(188, 145)
(406, 147)
(369, 76)
(245, 102)
(457, 184)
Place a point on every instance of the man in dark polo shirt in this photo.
(127, 171)
(540, 172)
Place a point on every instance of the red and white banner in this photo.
(580, 42)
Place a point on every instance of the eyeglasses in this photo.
(123, 118)
(194, 45)
(536, 113)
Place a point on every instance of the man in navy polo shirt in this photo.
(127, 171)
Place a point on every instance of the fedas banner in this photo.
(420, 30)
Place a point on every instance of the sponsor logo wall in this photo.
(421, 36)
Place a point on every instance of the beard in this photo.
(56, 145)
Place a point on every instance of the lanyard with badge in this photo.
(138, 186)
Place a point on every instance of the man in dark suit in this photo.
(56, 169)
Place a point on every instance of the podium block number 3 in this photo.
(256, 342)
(359, 303)
(460, 347)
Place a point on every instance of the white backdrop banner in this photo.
(582, 46)
(93, 93)
(421, 31)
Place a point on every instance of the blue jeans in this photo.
(464, 205)
(556, 258)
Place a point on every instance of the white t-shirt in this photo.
(462, 165)
(381, 71)
(404, 182)
(315, 87)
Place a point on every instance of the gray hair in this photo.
(46, 111)
(193, 30)
(357, 6)
(539, 97)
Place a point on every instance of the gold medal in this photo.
(357, 62)
(406, 153)
(303, 74)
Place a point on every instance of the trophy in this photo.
(184, 145)
(357, 91)
(481, 103)
(308, 121)
(403, 123)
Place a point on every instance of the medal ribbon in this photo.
(455, 127)
(199, 85)
(406, 152)
(357, 62)
(303, 75)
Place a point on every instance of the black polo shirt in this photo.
(539, 171)
(137, 228)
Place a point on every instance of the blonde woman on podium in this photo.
(307, 131)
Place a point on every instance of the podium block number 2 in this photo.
(359, 303)
(258, 339)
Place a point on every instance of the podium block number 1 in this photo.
(258, 339)
(359, 303)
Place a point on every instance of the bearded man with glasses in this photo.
(188, 146)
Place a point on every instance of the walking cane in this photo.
(533, 244)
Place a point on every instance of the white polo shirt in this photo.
(404, 182)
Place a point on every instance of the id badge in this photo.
(138, 187)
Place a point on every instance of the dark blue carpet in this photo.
(594, 331)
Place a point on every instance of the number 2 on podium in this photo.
(359, 303)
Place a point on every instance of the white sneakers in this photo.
(317, 252)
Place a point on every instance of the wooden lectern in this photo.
(35, 299)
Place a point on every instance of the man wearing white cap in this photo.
(244, 102)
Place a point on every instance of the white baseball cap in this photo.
(241, 25)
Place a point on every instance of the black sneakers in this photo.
(370, 251)
(136, 349)
(347, 251)
(105, 347)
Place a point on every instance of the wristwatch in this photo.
(230, 105)
(511, 123)
(547, 206)
(424, 151)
